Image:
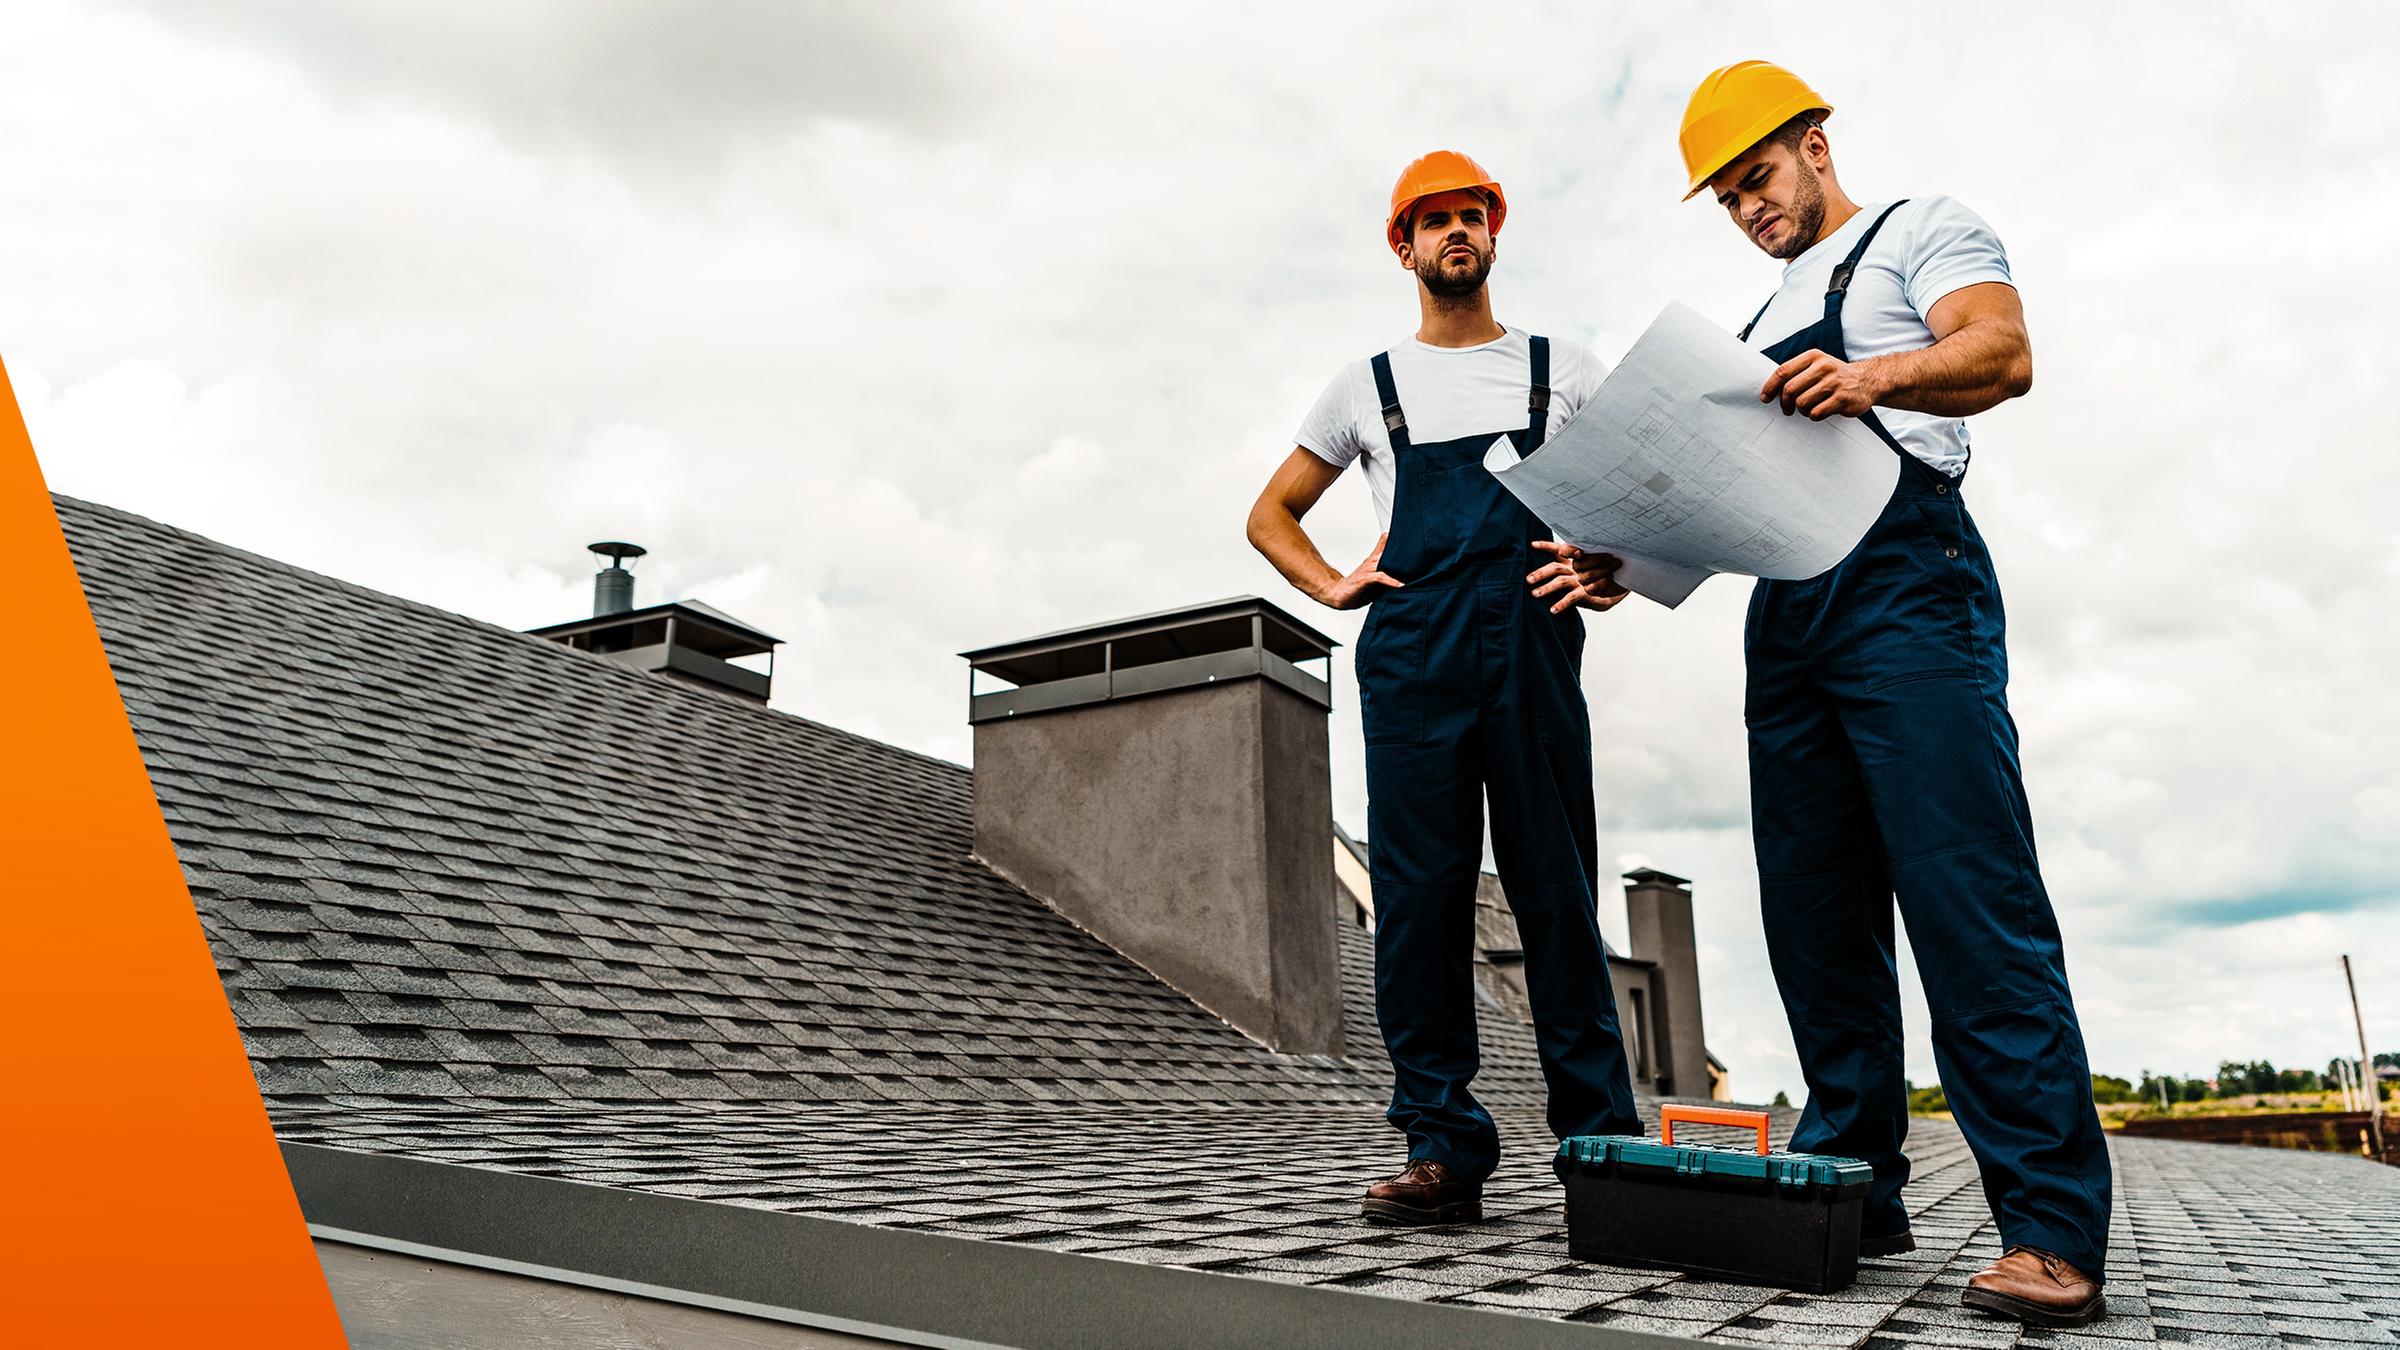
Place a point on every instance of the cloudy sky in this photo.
(902, 329)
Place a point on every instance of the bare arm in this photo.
(1981, 357)
(1275, 531)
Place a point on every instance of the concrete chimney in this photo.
(1658, 919)
(1163, 782)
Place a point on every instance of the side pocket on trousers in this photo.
(1564, 717)
(1940, 544)
(1390, 663)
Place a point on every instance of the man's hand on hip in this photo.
(1365, 582)
(1821, 386)
(1577, 578)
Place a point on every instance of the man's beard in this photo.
(1443, 284)
(1807, 216)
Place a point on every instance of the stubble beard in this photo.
(1807, 215)
(1445, 284)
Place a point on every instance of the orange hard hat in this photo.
(1441, 171)
(1735, 108)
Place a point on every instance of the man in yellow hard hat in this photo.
(1883, 761)
(1468, 687)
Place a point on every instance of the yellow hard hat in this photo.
(1734, 109)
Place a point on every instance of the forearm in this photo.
(1275, 532)
(1972, 370)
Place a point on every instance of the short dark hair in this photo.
(1791, 133)
(1408, 218)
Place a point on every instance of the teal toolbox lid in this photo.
(1639, 1158)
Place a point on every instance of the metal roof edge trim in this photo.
(926, 1288)
(637, 1289)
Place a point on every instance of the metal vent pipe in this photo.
(612, 590)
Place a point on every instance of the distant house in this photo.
(1657, 987)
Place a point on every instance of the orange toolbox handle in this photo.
(1710, 1115)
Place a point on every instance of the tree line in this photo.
(2234, 1079)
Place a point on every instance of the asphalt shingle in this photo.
(480, 898)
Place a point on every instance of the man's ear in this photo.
(1817, 149)
(1406, 256)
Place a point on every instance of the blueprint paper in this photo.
(1677, 468)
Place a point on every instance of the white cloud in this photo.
(897, 338)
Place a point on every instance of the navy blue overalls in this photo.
(1883, 762)
(1469, 686)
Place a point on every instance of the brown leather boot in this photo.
(2033, 1286)
(1423, 1193)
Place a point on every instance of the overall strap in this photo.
(1841, 274)
(1744, 335)
(1840, 282)
(1835, 293)
(1537, 401)
(1395, 422)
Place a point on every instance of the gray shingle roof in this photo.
(2210, 1245)
(483, 900)
(439, 859)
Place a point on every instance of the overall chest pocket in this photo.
(1457, 511)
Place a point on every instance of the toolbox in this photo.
(1733, 1213)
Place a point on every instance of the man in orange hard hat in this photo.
(1883, 761)
(1468, 688)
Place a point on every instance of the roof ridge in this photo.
(62, 502)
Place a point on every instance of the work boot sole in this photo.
(1393, 1212)
(2037, 1314)
(1892, 1245)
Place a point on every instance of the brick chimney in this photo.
(1163, 782)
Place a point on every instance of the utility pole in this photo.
(2366, 1065)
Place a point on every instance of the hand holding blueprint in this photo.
(1677, 468)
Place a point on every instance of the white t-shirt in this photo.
(1930, 247)
(1447, 393)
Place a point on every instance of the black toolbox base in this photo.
(1747, 1238)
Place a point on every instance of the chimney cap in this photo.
(1287, 637)
(1222, 641)
(702, 627)
(1652, 876)
(616, 552)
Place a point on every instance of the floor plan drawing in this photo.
(1676, 466)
